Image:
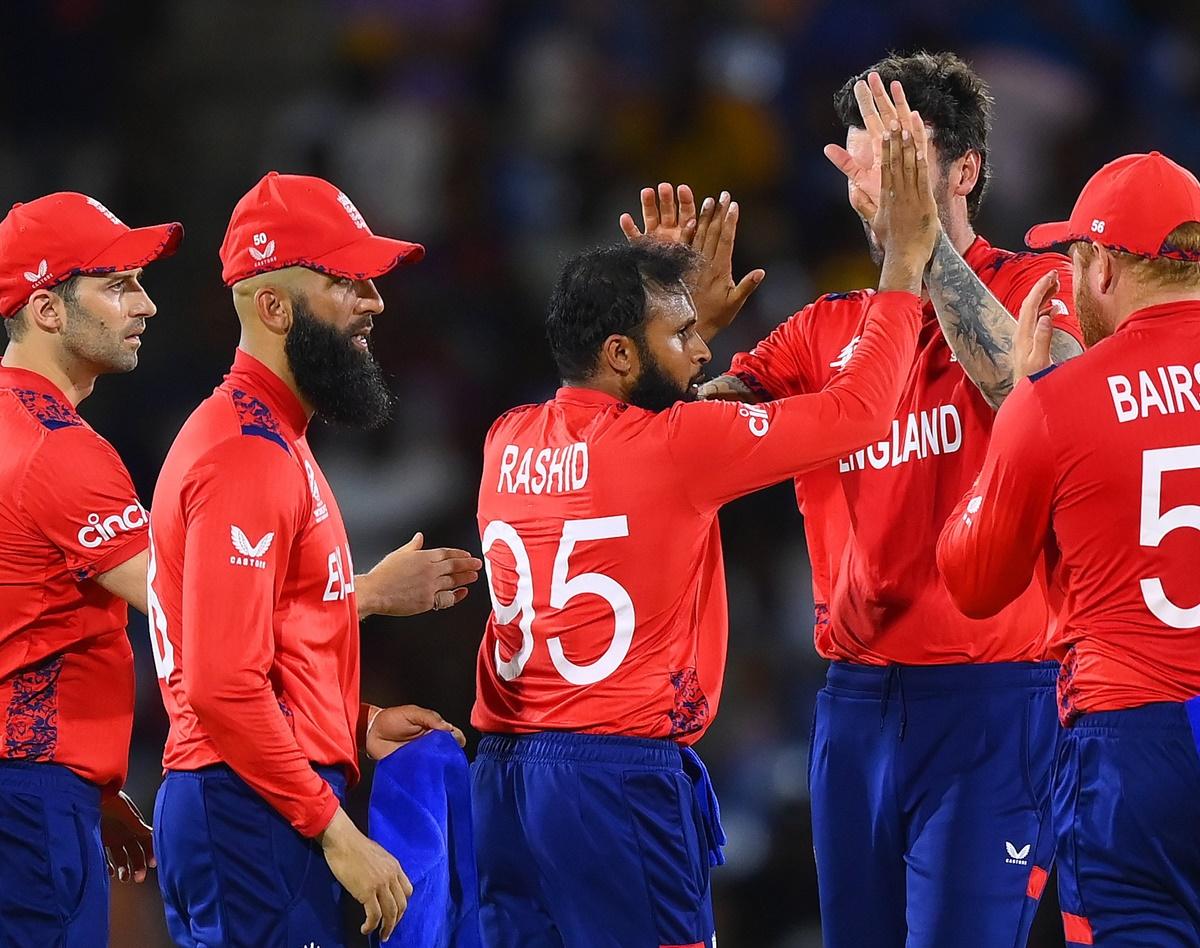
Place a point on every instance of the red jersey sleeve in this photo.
(726, 449)
(779, 365)
(989, 548)
(245, 501)
(79, 494)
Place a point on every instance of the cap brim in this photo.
(1041, 236)
(136, 248)
(368, 258)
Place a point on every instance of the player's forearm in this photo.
(982, 573)
(250, 732)
(864, 395)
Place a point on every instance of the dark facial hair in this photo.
(654, 389)
(341, 381)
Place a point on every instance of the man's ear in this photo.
(619, 355)
(1106, 270)
(274, 308)
(965, 174)
(46, 310)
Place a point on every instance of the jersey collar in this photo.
(13, 377)
(977, 254)
(577, 395)
(1179, 308)
(262, 382)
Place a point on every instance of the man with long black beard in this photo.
(254, 605)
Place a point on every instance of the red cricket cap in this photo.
(1131, 205)
(294, 220)
(58, 236)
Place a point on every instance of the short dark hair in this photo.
(602, 292)
(16, 326)
(949, 95)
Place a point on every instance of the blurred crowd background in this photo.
(503, 136)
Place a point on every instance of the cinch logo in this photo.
(1017, 857)
(39, 276)
(267, 252)
(757, 418)
(251, 554)
(100, 531)
(320, 510)
(844, 356)
(105, 211)
(350, 209)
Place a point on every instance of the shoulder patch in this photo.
(48, 410)
(256, 419)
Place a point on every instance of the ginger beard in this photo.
(1087, 310)
(341, 380)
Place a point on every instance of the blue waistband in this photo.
(932, 680)
(658, 754)
(626, 752)
(41, 777)
(334, 775)
(1159, 716)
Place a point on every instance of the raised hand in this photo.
(906, 223)
(662, 219)
(128, 841)
(412, 580)
(1035, 329)
(877, 111)
(717, 298)
(391, 728)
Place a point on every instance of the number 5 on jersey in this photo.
(562, 591)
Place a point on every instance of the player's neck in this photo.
(1158, 297)
(74, 379)
(609, 386)
(957, 226)
(275, 359)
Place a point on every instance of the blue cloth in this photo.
(421, 814)
(931, 795)
(1128, 820)
(233, 872)
(53, 875)
(593, 841)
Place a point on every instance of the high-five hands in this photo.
(412, 580)
(906, 219)
(717, 297)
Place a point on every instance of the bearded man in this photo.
(254, 605)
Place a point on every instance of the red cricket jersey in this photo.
(602, 549)
(1098, 460)
(253, 615)
(872, 518)
(68, 512)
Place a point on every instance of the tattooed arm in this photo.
(978, 328)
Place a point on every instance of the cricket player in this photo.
(72, 558)
(1097, 462)
(254, 603)
(603, 659)
(934, 738)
